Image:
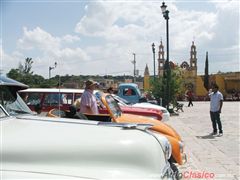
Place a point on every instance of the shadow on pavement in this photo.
(209, 136)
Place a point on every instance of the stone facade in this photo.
(229, 83)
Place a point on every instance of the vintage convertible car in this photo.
(116, 115)
(34, 147)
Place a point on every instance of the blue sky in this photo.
(99, 37)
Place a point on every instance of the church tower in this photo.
(146, 79)
(161, 60)
(193, 60)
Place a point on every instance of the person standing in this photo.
(216, 102)
(88, 102)
(189, 95)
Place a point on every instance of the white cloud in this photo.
(109, 32)
(70, 39)
(51, 49)
(135, 25)
(97, 19)
(227, 24)
(11, 61)
(38, 39)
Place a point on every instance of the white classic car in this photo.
(123, 102)
(34, 147)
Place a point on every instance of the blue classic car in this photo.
(129, 92)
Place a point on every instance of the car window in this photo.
(52, 99)
(129, 92)
(12, 102)
(67, 98)
(78, 96)
(33, 98)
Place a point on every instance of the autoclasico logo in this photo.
(196, 175)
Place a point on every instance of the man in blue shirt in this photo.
(216, 102)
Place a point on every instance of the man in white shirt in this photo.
(88, 102)
(216, 102)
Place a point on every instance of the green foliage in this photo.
(26, 68)
(15, 74)
(25, 75)
(159, 86)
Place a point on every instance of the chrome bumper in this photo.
(167, 172)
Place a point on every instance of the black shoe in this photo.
(214, 133)
(220, 133)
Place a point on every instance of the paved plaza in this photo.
(209, 157)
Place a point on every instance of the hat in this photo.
(90, 82)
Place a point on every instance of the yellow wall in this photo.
(221, 83)
(200, 89)
(146, 83)
(233, 84)
(226, 82)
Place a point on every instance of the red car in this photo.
(138, 111)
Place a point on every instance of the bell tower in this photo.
(193, 60)
(146, 82)
(161, 60)
(146, 71)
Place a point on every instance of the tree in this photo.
(27, 67)
(158, 86)
(206, 75)
(14, 74)
(24, 74)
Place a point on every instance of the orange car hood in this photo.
(158, 125)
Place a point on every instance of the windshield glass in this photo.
(12, 102)
(121, 100)
(114, 107)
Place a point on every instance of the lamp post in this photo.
(51, 68)
(134, 67)
(153, 50)
(167, 69)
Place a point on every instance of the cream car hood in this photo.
(34, 146)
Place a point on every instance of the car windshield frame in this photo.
(113, 106)
(12, 102)
(3, 112)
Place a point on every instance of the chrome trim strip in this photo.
(4, 110)
(143, 127)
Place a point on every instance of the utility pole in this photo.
(134, 67)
